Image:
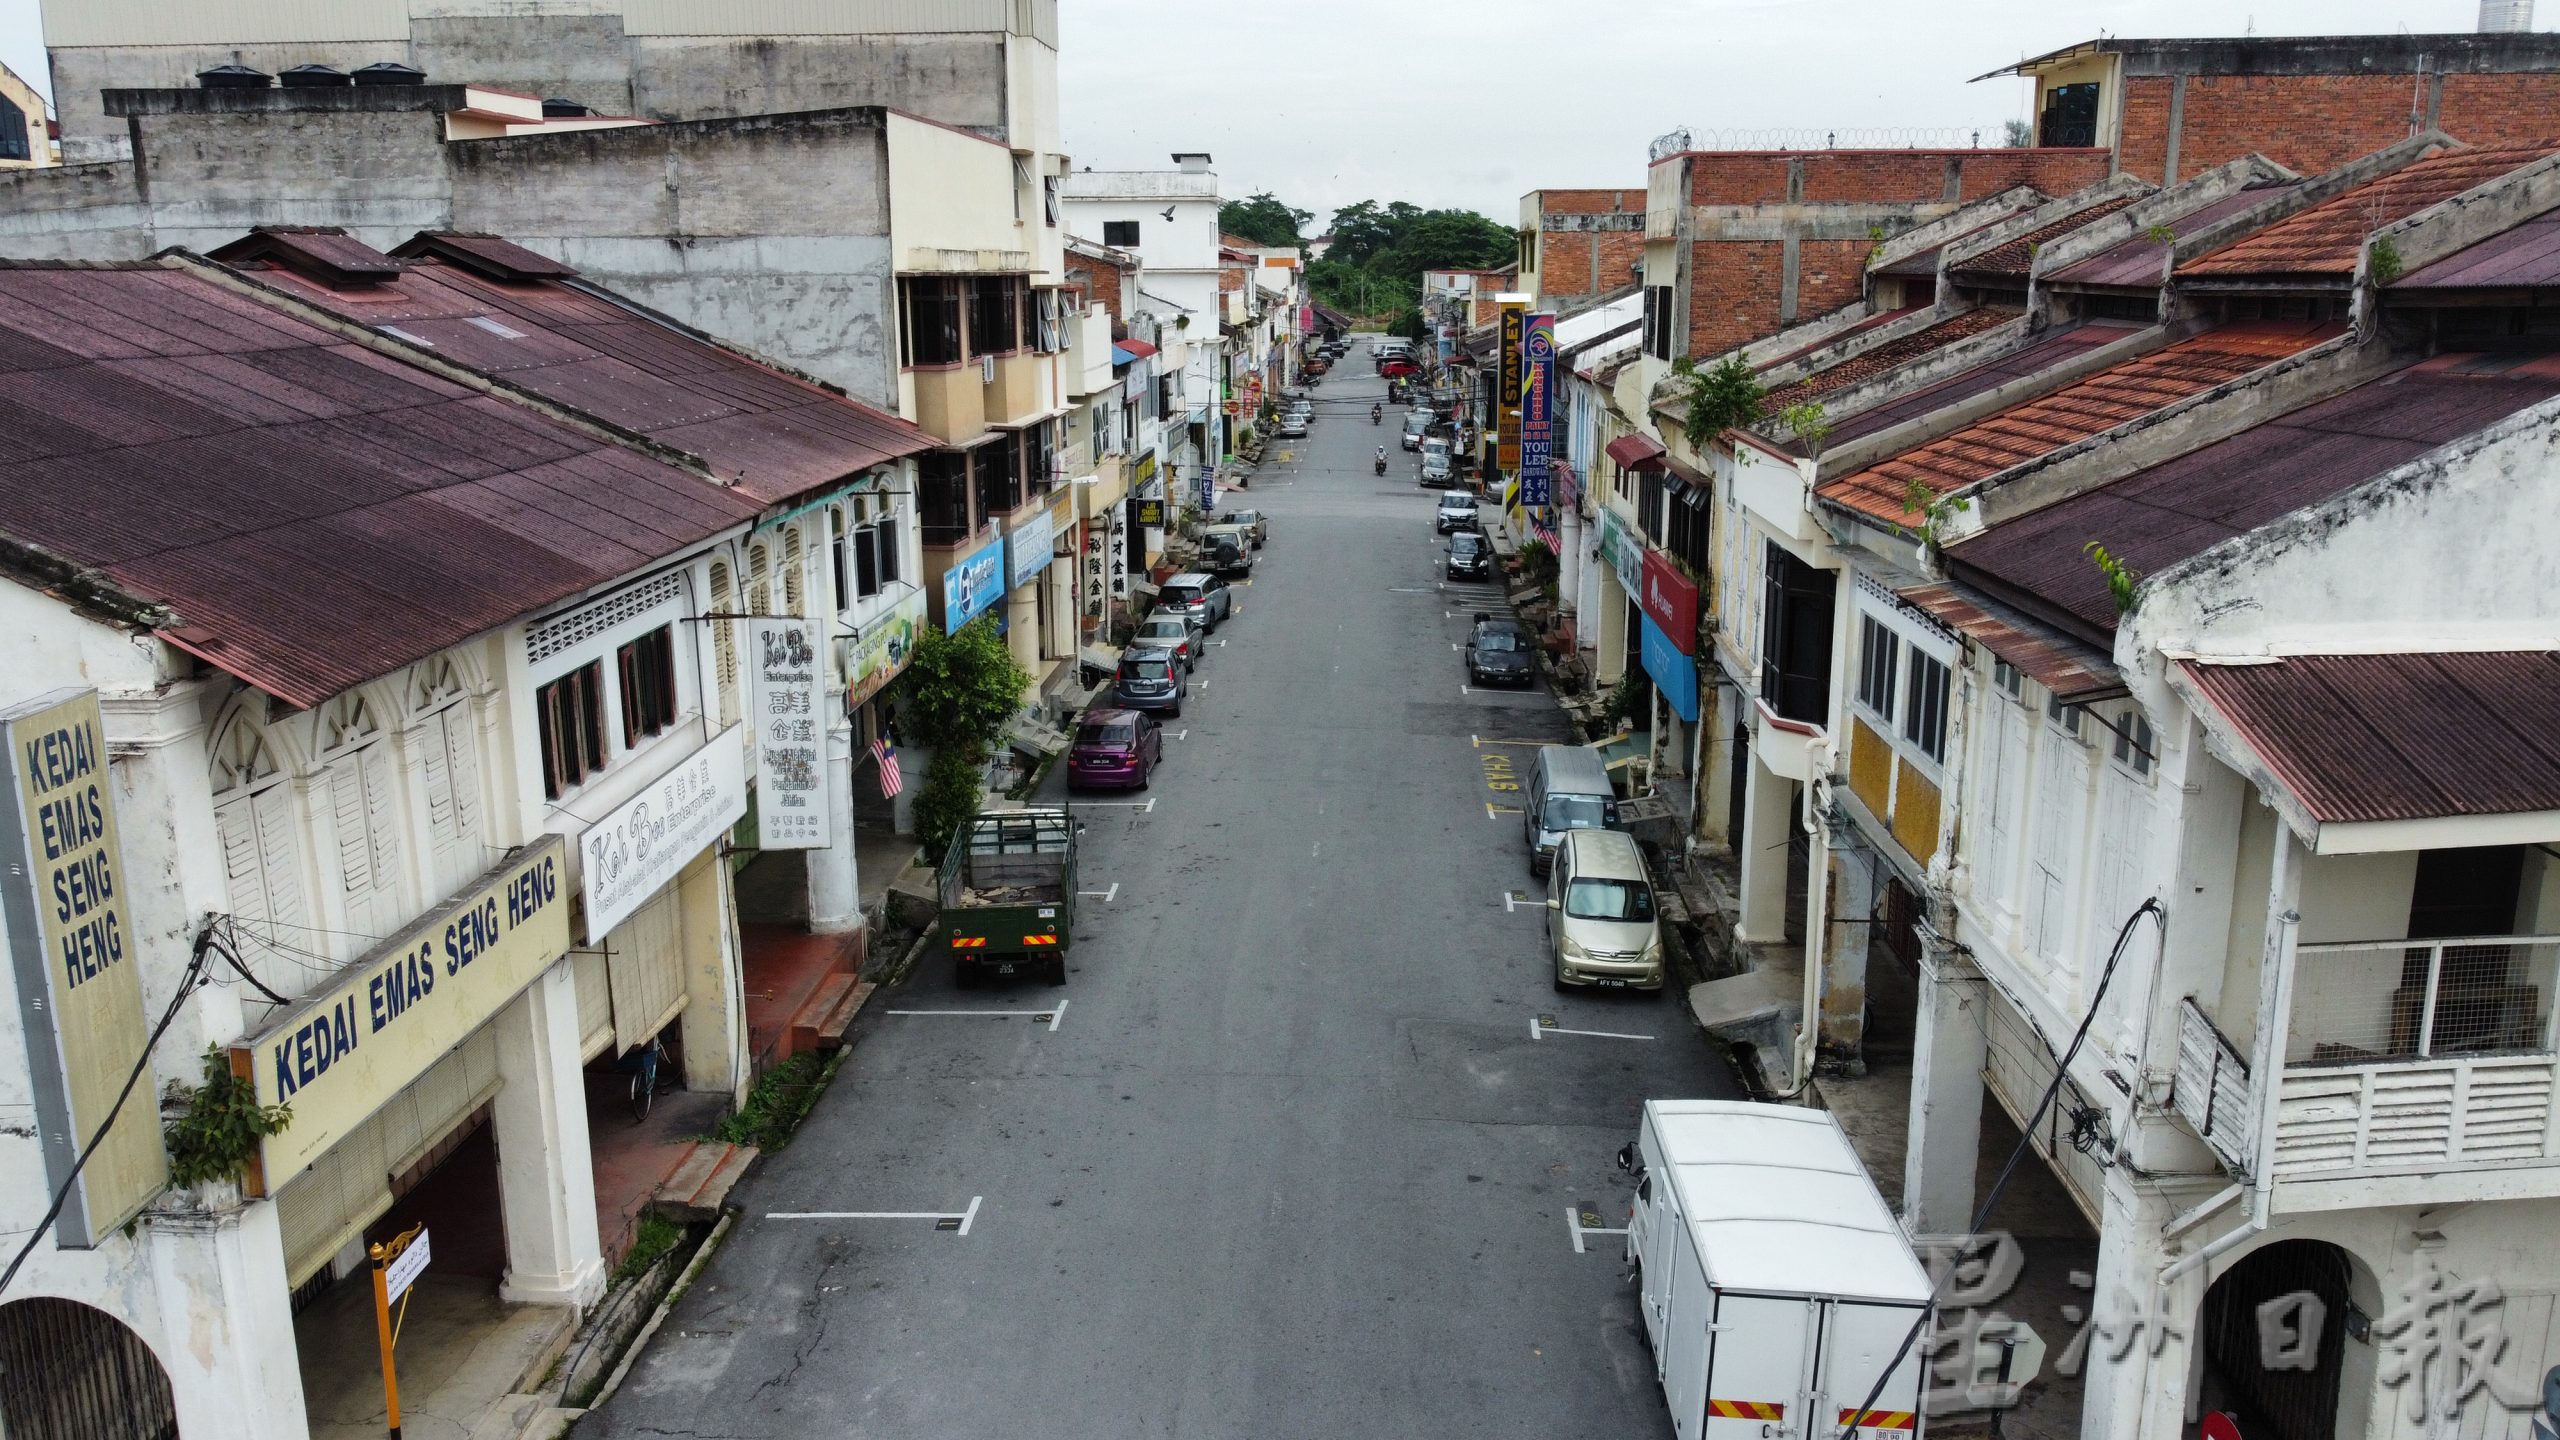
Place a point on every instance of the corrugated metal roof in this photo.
(2157, 517)
(2523, 257)
(491, 256)
(2325, 240)
(2362, 738)
(2076, 412)
(2013, 256)
(315, 514)
(2139, 261)
(2071, 670)
(1881, 318)
(776, 436)
(1876, 359)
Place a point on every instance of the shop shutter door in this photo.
(595, 1002)
(648, 968)
(349, 1187)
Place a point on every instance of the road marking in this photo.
(1182, 734)
(1454, 645)
(1514, 900)
(1143, 807)
(1546, 1025)
(958, 1221)
(1491, 810)
(1053, 1018)
(1573, 1225)
(1315, 850)
(1480, 742)
(1105, 896)
(1409, 590)
(1462, 692)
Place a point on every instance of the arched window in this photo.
(759, 580)
(724, 641)
(253, 816)
(360, 785)
(795, 569)
(77, 1373)
(445, 730)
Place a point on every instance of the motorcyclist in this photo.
(1377, 413)
(1382, 459)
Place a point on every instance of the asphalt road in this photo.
(1289, 1163)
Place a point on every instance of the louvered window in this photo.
(724, 643)
(759, 580)
(573, 743)
(449, 744)
(795, 572)
(647, 669)
(362, 784)
(262, 864)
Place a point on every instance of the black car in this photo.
(1470, 555)
(1498, 653)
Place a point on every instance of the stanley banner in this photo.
(1506, 394)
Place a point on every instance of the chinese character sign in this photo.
(1537, 409)
(791, 766)
(1208, 488)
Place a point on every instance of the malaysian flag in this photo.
(891, 782)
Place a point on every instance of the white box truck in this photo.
(1774, 1284)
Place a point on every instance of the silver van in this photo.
(1568, 790)
(1601, 928)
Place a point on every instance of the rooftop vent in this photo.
(390, 72)
(1193, 162)
(313, 77)
(556, 108)
(233, 77)
(2500, 16)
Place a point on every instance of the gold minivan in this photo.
(1601, 929)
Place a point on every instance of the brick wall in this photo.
(1577, 263)
(2318, 122)
(1733, 293)
(2500, 109)
(1101, 281)
(1829, 274)
(2053, 172)
(1753, 178)
(1914, 176)
(2142, 139)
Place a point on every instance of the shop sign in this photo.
(1146, 469)
(63, 887)
(1537, 410)
(1208, 488)
(352, 1044)
(1151, 514)
(1672, 601)
(1673, 672)
(1029, 547)
(782, 706)
(973, 584)
(1106, 561)
(1506, 394)
(1624, 549)
(882, 649)
(643, 844)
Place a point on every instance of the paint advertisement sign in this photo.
(1624, 549)
(1671, 600)
(369, 1033)
(653, 835)
(973, 584)
(1537, 410)
(1029, 545)
(1674, 673)
(782, 705)
(1506, 393)
(882, 649)
(71, 941)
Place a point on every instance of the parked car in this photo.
(1151, 680)
(1436, 466)
(1457, 512)
(1253, 520)
(1498, 653)
(1600, 919)
(1164, 630)
(1292, 427)
(1115, 749)
(1227, 549)
(1569, 790)
(1417, 423)
(1195, 593)
(1470, 555)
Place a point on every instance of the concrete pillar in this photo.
(1712, 823)
(835, 881)
(714, 1022)
(1848, 920)
(1022, 626)
(1768, 817)
(2142, 1394)
(1569, 560)
(1949, 1046)
(546, 1178)
(226, 1323)
(1609, 635)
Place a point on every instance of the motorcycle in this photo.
(1382, 462)
(1377, 413)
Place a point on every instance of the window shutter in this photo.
(355, 837)
(279, 857)
(462, 769)
(237, 825)
(442, 834)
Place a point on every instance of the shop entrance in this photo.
(453, 1191)
(2286, 1402)
(70, 1372)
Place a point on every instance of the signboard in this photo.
(1151, 514)
(1208, 488)
(782, 706)
(1145, 469)
(72, 939)
(651, 836)
(973, 584)
(1537, 410)
(1674, 673)
(1029, 547)
(370, 1033)
(405, 1268)
(1506, 391)
(882, 649)
(1672, 601)
(1624, 549)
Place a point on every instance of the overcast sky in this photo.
(1472, 102)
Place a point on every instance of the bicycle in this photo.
(643, 1065)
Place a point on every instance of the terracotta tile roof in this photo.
(2157, 517)
(2326, 239)
(1872, 322)
(2052, 348)
(312, 512)
(2362, 738)
(2015, 256)
(1877, 359)
(2074, 413)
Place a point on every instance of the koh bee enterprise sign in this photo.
(71, 938)
(791, 768)
(648, 839)
(355, 1042)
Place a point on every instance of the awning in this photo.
(1638, 452)
(2075, 673)
(1125, 351)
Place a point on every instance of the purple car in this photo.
(1115, 749)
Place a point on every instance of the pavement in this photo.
(1284, 1158)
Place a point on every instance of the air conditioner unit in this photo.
(986, 369)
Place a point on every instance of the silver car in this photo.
(1601, 929)
(1164, 630)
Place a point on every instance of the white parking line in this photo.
(966, 1218)
(1493, 811)
(1143, 807)
(1574, 1226)
(1540, 1026)
(1105, 896)
(1514, 900)
(1053, 1017)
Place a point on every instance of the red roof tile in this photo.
(1877, 359)
(776, 435)
(2043, 352)
(2074, 413)
(314, 514)
(2361, 738)
(2326, 239)
(2014, 256)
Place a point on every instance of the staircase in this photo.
(822, 1019)
(701, 1184)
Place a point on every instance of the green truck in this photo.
(1009, 894)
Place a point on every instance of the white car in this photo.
(1293, 427)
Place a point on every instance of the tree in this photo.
(1721, 397)
(1263, 220)
(2018, 134)
(959, 691)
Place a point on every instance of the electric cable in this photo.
(2026, 1134)
(187, 985)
